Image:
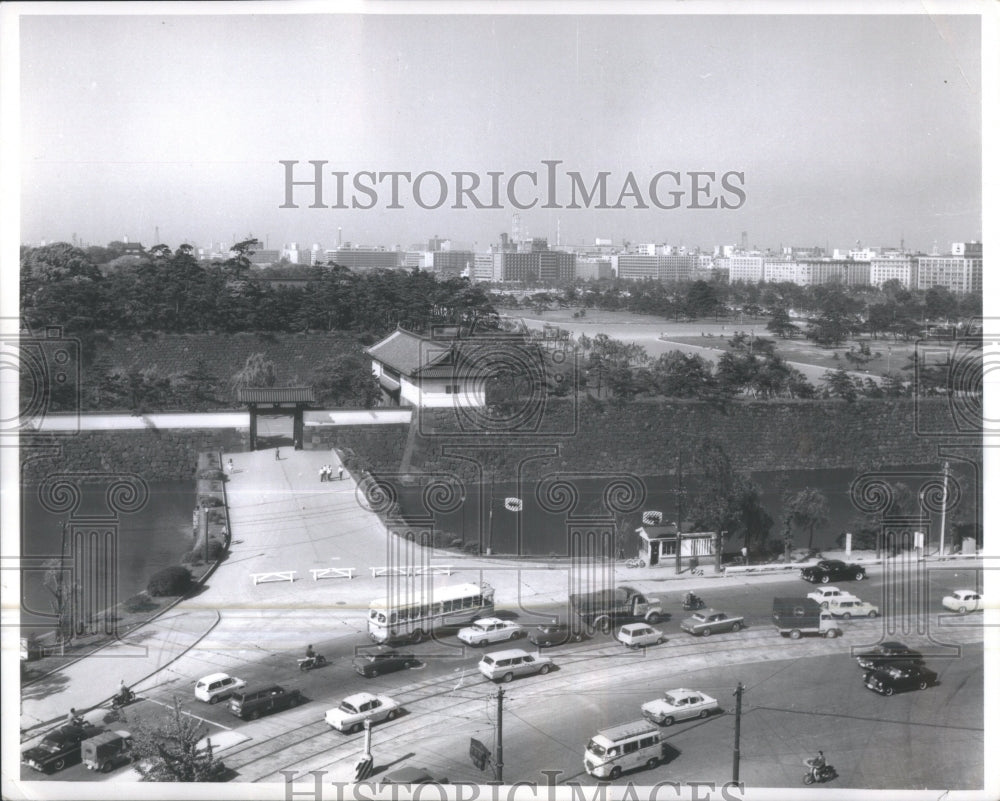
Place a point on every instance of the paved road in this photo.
(125, 421)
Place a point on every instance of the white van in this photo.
(622, 748)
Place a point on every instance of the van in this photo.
(251, 704)
(505, 665)
(620, 748)
(107, 750)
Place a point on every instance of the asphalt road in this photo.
(801, 696)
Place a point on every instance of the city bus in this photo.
(412, 616)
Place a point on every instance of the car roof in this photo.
(711, 611)
(360, 698)
(489, 620)
(634, 626)
(510, 653)
(680, 691)
(966, 592)
(213, 677)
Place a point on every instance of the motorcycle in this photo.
(310, 662)
(124, 698)
(692, 602)
(823, 774)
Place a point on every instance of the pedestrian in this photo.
(229, 466)
(322, 473)
(340, 473)
(277, 455)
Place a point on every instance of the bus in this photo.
(412, 616)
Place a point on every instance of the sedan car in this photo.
(963, 601)
(891, 679)
(848, 607)
(636, 635)
(679, 705)
(824, 595)
(827, 570)
(554, 634)
(382, 659)
(490, 629)
(888, 653)
(354, 710)
(217, 687)
(59, 748)
(711, 621)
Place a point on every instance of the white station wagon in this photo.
(216, 687)
(824, 595)
(848, 607)
(354, 710)
(636, 635)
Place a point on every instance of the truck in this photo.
(603, 608)
(794, 617)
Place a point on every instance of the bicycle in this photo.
(697, 571)
(635, 562)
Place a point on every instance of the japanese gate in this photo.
(277, 400)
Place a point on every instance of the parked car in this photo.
(891, 679)
(554, 634)
(408, 775)
(888, 653)
(848, 607)
(963, 601)
(711, 621)
(679, 704)
(250, 704)
(59, 748)
(490, 629)
(827, 570)
(823, 595)
(217, 687)
(354, 710)
(382, 659)
(505, 665)
(636, 635)
(107, 751)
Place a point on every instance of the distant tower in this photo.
(558, 232)
(515, 228)
(340, 238)
(156, 236)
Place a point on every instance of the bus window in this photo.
(393, 617)
(477, 600)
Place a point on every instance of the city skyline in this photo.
(845, 128)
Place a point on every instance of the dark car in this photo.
(251, 703)
(827, 570)
(891, 679)
(888, 653)
(554, 634)
(375, 661)
(59, 748)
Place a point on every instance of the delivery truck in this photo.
(604, 608)
(794, 617)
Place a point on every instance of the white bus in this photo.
(412, 616)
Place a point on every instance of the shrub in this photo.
(209, 501)
(174, 580)
(211, 474)
(215, 550)
(191, 557)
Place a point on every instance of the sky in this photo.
(845, 128)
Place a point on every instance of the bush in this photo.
(209, 500)
(216, 550)
(211, 474)
(175, 580)
(191, 557)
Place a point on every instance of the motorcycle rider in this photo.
(818, 764)
(310, 653)
(124, 693)
(690, 600)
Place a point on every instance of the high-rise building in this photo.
(452, 263)
(642, 265)
(361, 259)
(960, 274)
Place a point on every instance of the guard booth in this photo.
(658, 544)
(277, 400)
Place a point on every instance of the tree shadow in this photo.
(44, 686)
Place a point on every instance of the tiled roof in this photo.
(276, 395)
(407, 353)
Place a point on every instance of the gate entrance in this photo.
(292, 401)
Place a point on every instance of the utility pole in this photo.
(736, 742)
(680, 512)
(499, 761)
(944, 512)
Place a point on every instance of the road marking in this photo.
(191, 714)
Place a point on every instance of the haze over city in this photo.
(846, 129)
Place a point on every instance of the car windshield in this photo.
(51, 745)
(346, 707)
(478, 627)
(670, 699)
(698, 616)
(596, 748)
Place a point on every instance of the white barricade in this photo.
(332, 572)
(413, 570)
(276, 575)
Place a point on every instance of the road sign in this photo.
(479, 753)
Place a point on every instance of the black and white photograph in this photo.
(488, 401)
